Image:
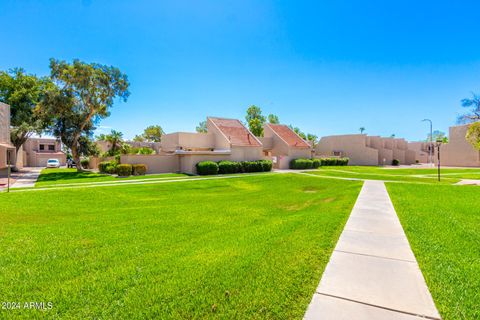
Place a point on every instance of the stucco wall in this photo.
(351, 146)
(155, 163)
(458, 151)
(187, 140)
(239, 153)
(38, 158)
(220, 141)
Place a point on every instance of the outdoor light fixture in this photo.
(430, 148)
(438, 143)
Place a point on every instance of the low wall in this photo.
(155, 163)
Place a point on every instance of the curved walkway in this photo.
(372, 273)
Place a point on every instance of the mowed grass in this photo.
(62, 176)
(250, 247)
(442, 224)
(448, 176)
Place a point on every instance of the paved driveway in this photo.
(26, 177)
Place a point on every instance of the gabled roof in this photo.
(236, 133)
(289, 136)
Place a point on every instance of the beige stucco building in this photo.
(36, 152)
(366, 150)
(282, 144)
(7, 150)
(458, 152)
(226, 139)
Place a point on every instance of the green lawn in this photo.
(249, 247)
(50, 177)
(442, 224)
(449, 176)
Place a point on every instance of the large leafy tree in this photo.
(473, 135)
(273, 119)
(23, 92)
(202, 127)
(150, 134)
(84, 95)
(437, 135)
(473, 104)
(255, 120)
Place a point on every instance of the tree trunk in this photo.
(76, 156)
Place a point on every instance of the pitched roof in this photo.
(289, 136)
(236, 132)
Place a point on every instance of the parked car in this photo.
(71, 163)
(53, 163)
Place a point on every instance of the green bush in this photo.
(139, 169)
(85, 163)
(315, 163)
(111, 168)
(207, 168)
(106, 166)
(334, 161)
(144, 150)
(266, 165)
(301, 164)
(395, 162)
(225, 166)
(252, 166)
(124, 170)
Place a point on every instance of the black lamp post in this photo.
(438, 143)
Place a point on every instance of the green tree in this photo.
(84, 95)
(437, 135)
(115, 139)
(23, 92)
(473, 135)
(153, 133)
(298, 131)
(362, 129)
(202, 127)
(474, 114)
(313, 139)
(273, 119)
(255, 120)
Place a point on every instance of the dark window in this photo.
(51, 147)
(42, 147)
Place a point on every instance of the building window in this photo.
(51, 147)
(42, 147)
(337, 153)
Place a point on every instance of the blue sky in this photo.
(328, 67)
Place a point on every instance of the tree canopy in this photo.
(473, 135)
(152, 133)
(202, 127)
(23, 92)
(474, 113)
(84, 95)
(255, 120)
(273, 119)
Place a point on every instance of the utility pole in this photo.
(430, 148)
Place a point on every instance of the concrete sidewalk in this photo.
(27, 178)
(372, 273)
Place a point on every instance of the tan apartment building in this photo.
(458, 152)
(422, 150)
(7, 150)
(36, 152)
(282, 144)
(366, 150)
(226, 139)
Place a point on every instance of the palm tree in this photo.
(361, 130)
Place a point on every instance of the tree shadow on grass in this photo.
(67, 175)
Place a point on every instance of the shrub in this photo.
(102, 166)
(139, 169)
(266, 165)
(334, 161)
(85, 163)
(207, 168)
(315, 163)
(395, 162)
(225, 166)
(342, 161)
(124, 170)
(145, 150)
(301, 164)
(111, 168)
(252, 166)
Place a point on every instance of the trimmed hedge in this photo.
(334, 161)
(225, 167)
(124, 170)
(107, 167)
(316, 163)
(395, 162)
(139, 169)
(85, 163)
(207, 168)
(301, 164)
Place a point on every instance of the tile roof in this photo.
(289, 136)
(236, 132)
